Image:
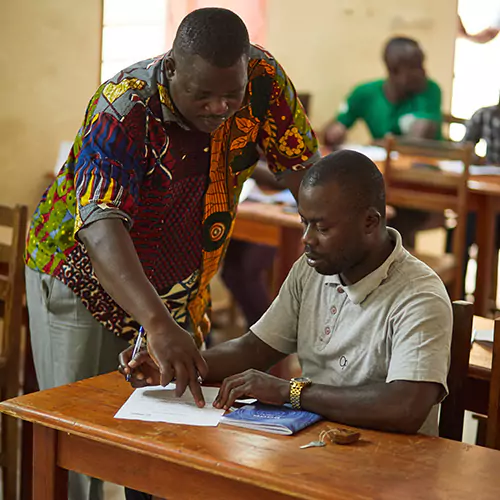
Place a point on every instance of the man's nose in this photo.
(218, 107)
(308, 236)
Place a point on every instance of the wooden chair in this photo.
(11, 342)
(451, 420)
(432, 190)
(493, 421)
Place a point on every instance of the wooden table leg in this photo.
(485, 238)
(50, 482)
(289, 250)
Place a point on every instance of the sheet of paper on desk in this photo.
(457, 167)
(159, 404)
(483, 336)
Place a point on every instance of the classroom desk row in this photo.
(269, 224)
(74, 429)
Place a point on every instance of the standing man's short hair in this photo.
(218, 36)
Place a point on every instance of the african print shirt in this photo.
(175, 188)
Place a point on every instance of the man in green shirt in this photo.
(406, 103)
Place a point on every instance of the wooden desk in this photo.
(478, 382)
(75, 430)
(270, 225)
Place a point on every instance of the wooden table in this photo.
(478, 382)
(272, 225)
(74, 429)
(269, 224)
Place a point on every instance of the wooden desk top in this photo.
(381, 465)
(481, 355)
(269, 214)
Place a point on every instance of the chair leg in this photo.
(10, 444)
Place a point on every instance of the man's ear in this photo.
(170, 67)
(372, 221)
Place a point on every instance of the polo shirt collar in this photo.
(358, 292)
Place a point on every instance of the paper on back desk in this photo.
(159, 404)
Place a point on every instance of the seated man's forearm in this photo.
(237, 355)
(423, 129)
(334, 134)
(395, 407)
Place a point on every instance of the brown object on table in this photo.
(339, 435)
(432, 190)
(75, 429)
(11, 340)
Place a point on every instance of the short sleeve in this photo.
(108, 171)
(286, 137)
(350, 110)
(421, 339)
(279, 325)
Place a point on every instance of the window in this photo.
(132, 31)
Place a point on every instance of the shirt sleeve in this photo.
(421, 339)
(350, 110)
(279, 325)
(286, 137)
(473, 128)
(108, 173)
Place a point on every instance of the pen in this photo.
(137, 346)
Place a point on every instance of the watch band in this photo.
(296, 387)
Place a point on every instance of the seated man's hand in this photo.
(255, 384)
(142, 369)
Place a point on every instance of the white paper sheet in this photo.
(159, 404)
(483, 335)
(457, 167)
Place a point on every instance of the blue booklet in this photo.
(276, 419)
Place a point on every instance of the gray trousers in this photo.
(68, 345)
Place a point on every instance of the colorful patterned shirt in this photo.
(176, 189)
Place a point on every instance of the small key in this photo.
(313, 444)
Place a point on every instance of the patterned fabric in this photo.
(175, 188)
(485, 124)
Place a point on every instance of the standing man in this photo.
(138, 219)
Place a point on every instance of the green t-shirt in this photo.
(369, 103)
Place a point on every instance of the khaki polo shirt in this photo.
(394, 324)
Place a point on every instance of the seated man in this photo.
(485, 124)
(406, 103)
(371, 323)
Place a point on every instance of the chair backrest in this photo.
(418, 183)
(493, 423)
(12, 290)
(451, 420)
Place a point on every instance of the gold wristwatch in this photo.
(296, 386)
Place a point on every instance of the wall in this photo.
(326, 46)
(50, 63)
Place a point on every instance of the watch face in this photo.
(300, 380)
